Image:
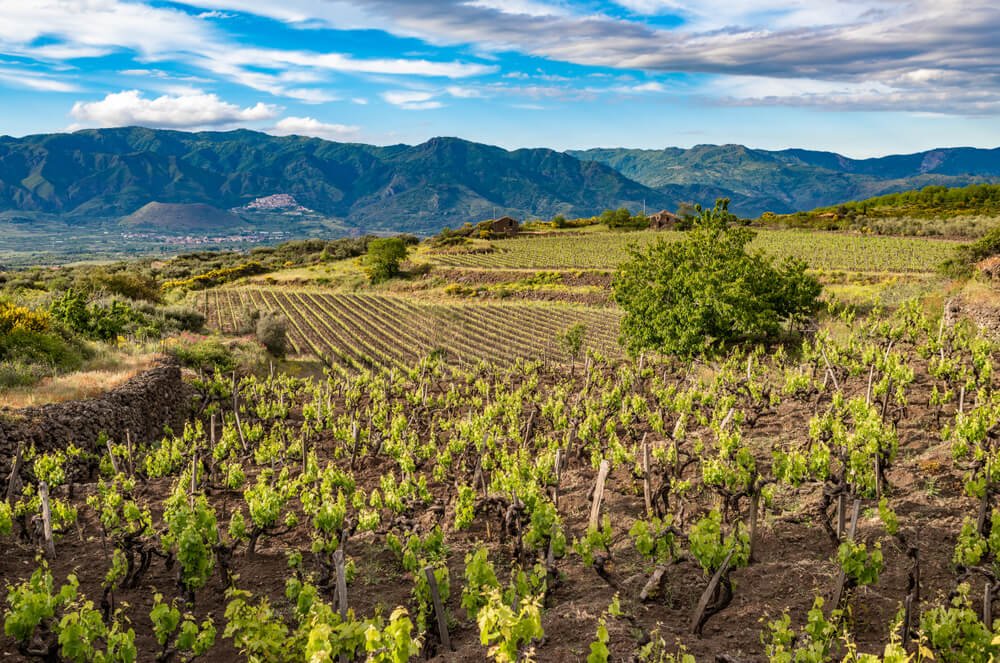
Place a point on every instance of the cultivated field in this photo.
(366, 330)
(605, 250)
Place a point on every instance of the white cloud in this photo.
(35, 81)
(411, 99)
(309, 126)
(189, 111)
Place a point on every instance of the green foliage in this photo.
(179, 634)
(216, 277)
(710, 547)
(956, 634)
(507, 630)
(191, 534)
(860, 565)
(383, 259)
(597, 539)
(697, 295)
(572, 338)
(479, 579)
(622, 218)
(99, 321)
(34, 602)
(655, 538)
(272, 332)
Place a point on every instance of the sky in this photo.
(859, 77)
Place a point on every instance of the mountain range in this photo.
(111, 176)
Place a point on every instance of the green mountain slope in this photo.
(110, 173)
(792, 180)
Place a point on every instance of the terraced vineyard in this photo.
(352, 331)
(828, 251)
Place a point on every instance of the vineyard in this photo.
(834, 501)
(352, 331)
(604, 250)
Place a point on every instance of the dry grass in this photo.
(98, 376)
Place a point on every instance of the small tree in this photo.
(699, 294)
(384, 256)
(571, 341)
(272, 332)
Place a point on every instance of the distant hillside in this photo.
(931, 202)
(182, 217)
(788, 181)
(110, 173)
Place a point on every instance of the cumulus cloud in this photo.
(309, 126)
(189, 111)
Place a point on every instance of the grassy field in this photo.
(822, 250)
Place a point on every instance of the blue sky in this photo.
(864, 78)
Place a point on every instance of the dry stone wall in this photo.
(143, 406)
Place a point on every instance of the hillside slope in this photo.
(793, 180)
(110, 173)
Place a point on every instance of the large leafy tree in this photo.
(700, 294)
(384, 256)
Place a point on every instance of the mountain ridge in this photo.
(792, 180)
(104, 175)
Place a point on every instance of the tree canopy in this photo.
(706, 291)
(384, 256)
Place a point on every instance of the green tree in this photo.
(697, 295)
(571, 341)
(384, 256)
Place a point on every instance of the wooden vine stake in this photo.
(338, 561)
(988, 605)
(595, 508)
(754, 508)
(842, 577)
(43, 494)
(841, 514)
(647, 494)
(706, 596)
(236, 411)
(14, 483)
(111, 455)
(442, 620)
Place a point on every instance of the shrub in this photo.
(697, 295)
(383, 259)
(203, 353)
(272, 332)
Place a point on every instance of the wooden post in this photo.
(236, 412)
(647, 494)
(842, 577)
(907, 609)
(754, 508)
(128, 448)
(706, 596)
(50, 545)
(595, 507)
(194, 476)
(988, 605)
(442, 620)
(841, 514)
(338, 561)
(14, 483)
(111, 454)
(211, 429)
(558, 472)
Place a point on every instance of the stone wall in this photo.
(143, 406)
